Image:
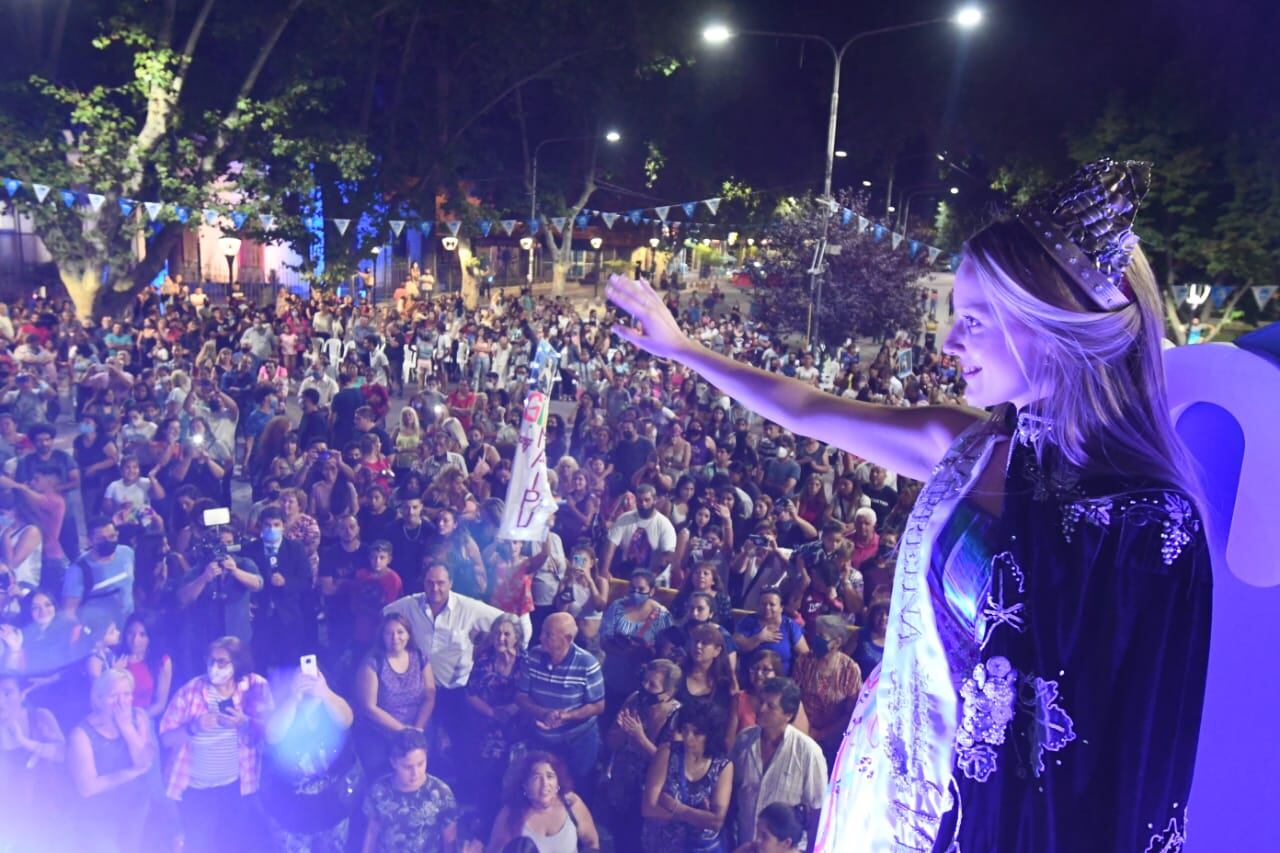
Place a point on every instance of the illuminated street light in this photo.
(450, 244)
(654, 242)
(866, 183)
(842, 154)
(526, 243)
(613, 136)
(968, 17)
(596, 243)
(717, 34)
(955, 191)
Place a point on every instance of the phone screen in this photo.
(308, 665)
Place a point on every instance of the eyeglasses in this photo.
(219, 661)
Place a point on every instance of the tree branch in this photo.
(502, 96)
(161, 100)
(246, 86)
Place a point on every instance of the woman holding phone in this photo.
(214, 726)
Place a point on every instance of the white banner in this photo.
(529, 503)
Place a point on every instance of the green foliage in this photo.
(868, 288)
(140, 120)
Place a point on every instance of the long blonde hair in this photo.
(1100, 374)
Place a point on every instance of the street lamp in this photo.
(866, 183)
(526, 243)
(842, 154)
(229, 247)
(611, 136)
(968, 17)
(923, 191)
(596, 243)
(450, 244)
(718, 33)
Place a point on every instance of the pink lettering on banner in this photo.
(530, 500)
(533, 407)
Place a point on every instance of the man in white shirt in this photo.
(645, 538)
(326, 386)
(445, 627)
(773, 762)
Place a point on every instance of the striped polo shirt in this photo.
(572, 683)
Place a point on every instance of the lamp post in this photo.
(904, 220)
(611, 136)
(229, 247)
(966, 18)
(596, 243)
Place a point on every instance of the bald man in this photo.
(562, 691)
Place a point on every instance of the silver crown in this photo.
(1086, 224)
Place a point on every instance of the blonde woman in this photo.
(407, 439)
(1074, 500)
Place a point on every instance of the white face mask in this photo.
(220, 675)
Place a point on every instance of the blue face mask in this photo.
(638, 598)
(85, 429)
(272, 535)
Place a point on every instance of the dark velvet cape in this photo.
(1110, 648)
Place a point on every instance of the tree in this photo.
(869, 288)
(146, 115)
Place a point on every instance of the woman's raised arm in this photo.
(909, 441)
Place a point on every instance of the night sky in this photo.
(756, 107)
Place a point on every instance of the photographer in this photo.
(216, 592)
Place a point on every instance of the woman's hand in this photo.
(658, 333)
(670, 803)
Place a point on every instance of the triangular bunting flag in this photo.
(879, 231)
(689, 208)
(713, 204)
(397, 225)
(662, 211)
(846, 216)
(210, 216)
(1262, 294)
(454, 226)
(486, 225)
(153, 209)
(41, 191)
(863, 222)
(508, 225)
(1220, 294)
(913, 248)
(425, 228)
(68, 197)
(557, 222)
(183, 213)
(934, 251)
(342, 225)
(896, 240)
(268, 221)
(533, 226)
(582, 220)
(1180, 292)
(635, 216)
(954, 263)
(126, 207)
(12, 185)
(239, 219)
(609, 219)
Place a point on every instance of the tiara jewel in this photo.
(1086, 224)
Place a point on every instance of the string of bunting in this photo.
(159, 212)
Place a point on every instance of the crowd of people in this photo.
(261, 600)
